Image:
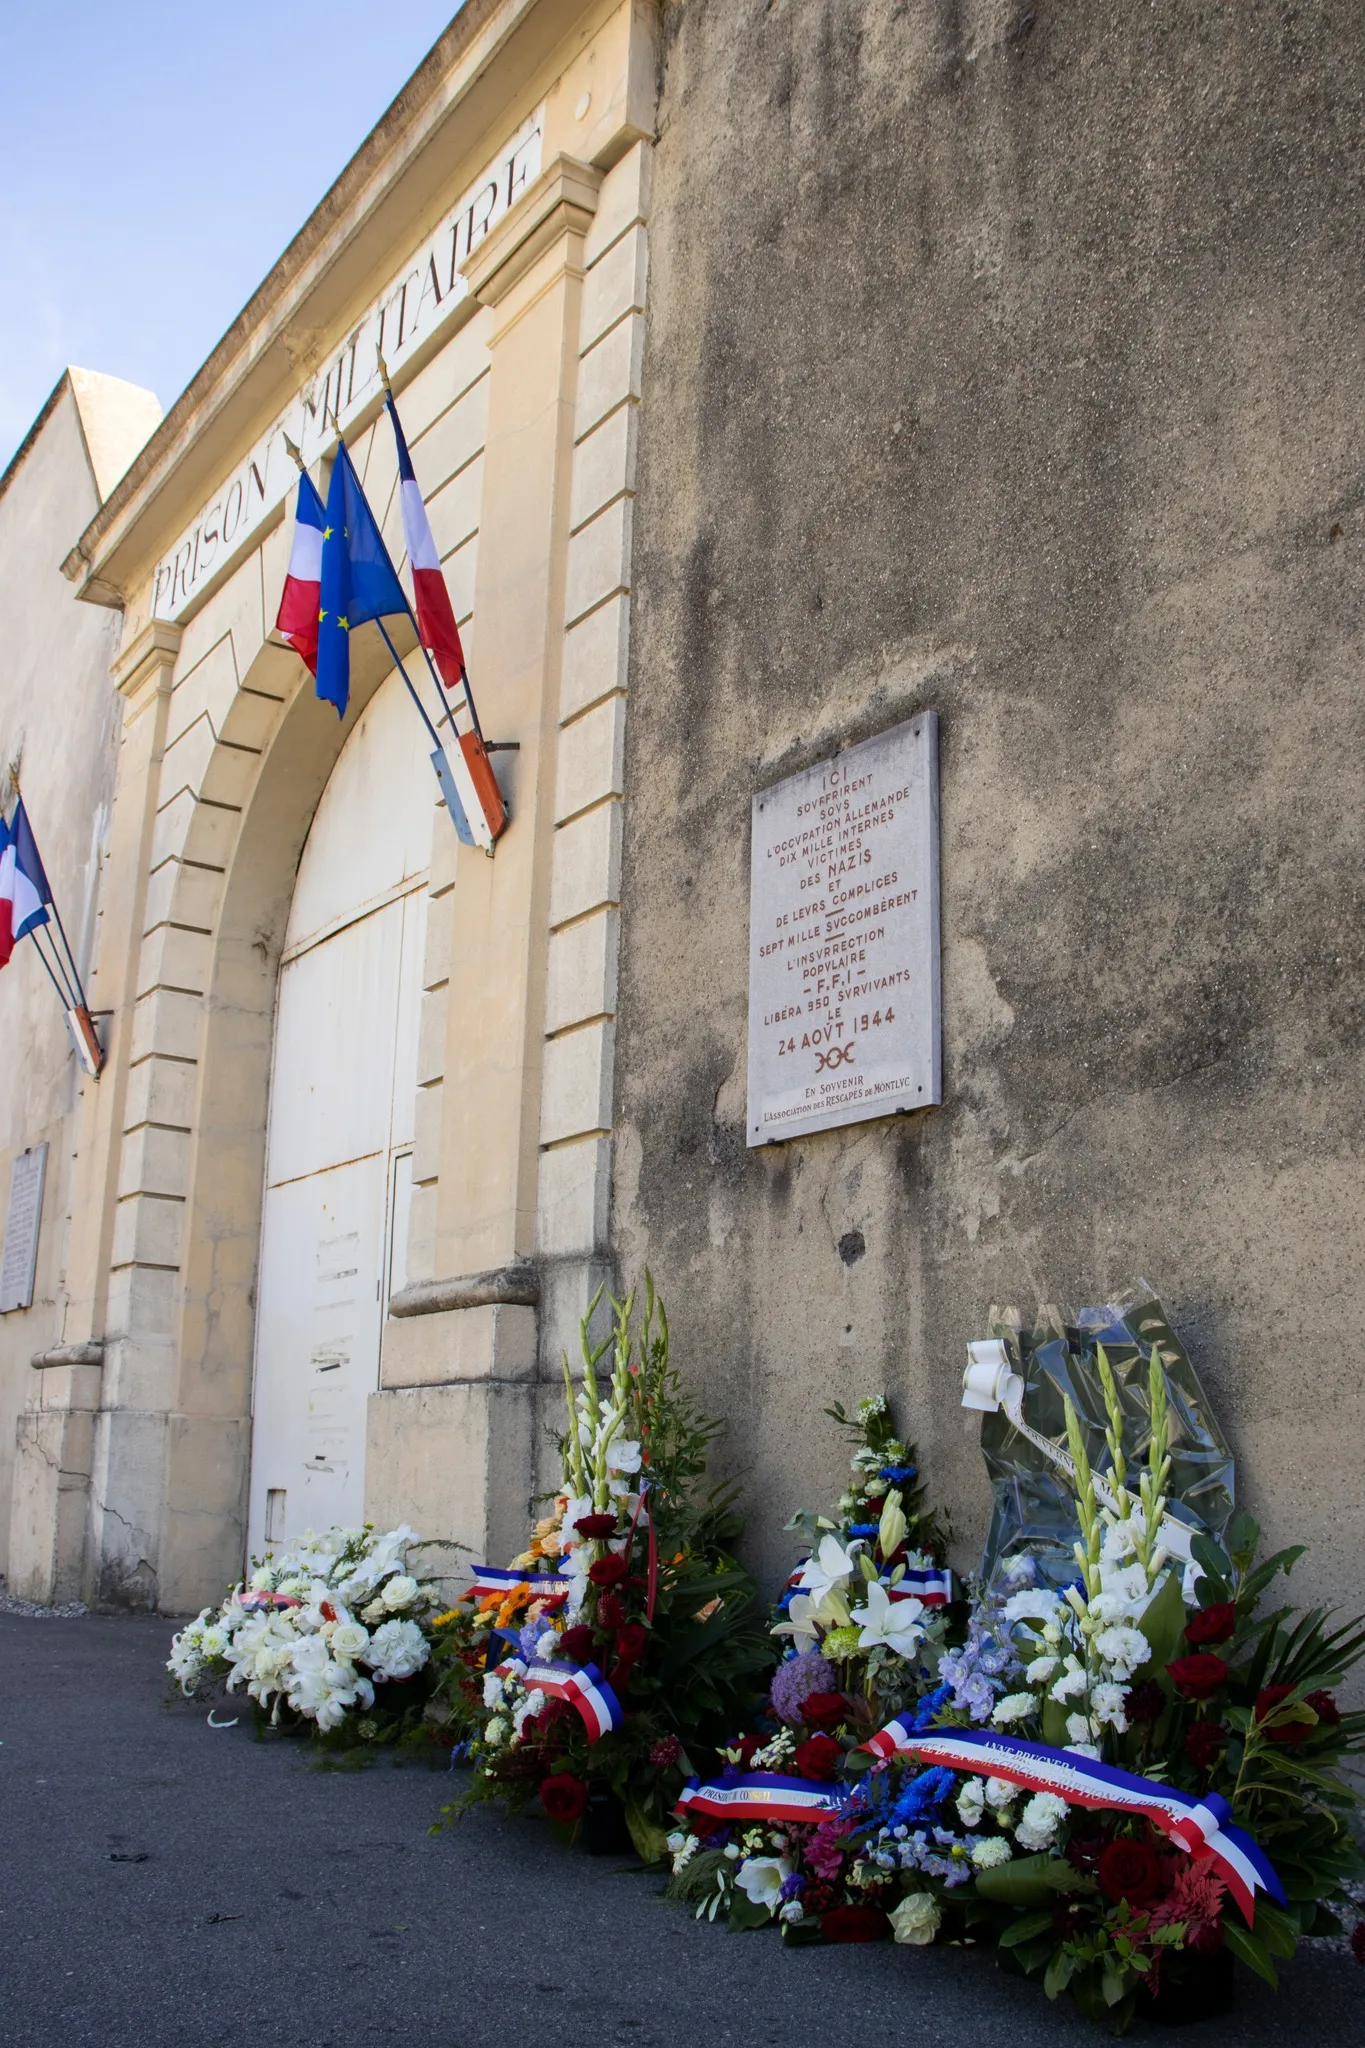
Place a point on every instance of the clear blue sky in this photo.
(155, 160)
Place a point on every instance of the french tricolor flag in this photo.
(24, 890)
(299, 601)
(474, 778)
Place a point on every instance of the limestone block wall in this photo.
(576, 1113)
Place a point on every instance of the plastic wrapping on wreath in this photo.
(1034, 1507)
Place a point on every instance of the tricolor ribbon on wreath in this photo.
(763, 1795)
(930, 1588)
(1200, 1826)
(492, 1578)
(581, 1685)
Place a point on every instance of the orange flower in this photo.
(515, 1600)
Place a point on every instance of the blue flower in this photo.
(929, 1707)
(863, 1528)
(896, 1475)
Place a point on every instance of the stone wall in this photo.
(58, 718)
(1008, 360)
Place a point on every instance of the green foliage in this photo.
(1030, 1881)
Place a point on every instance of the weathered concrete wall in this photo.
(1009, 360)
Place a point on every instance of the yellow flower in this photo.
(451, 1614)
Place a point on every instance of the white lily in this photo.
(895, 1624)
(828, 1569)
(800, 1623)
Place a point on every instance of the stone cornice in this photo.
(561, 203)
(150, 652)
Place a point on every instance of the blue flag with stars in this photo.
(359, 581)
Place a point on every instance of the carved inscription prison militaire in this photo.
(844, 1003)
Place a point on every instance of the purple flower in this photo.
(792, 1887)
(809, 1672)
(976, 1671)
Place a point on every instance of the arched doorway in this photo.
(339, 1142)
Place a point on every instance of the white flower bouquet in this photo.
(318, 1634)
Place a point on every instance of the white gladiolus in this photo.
(1035, 1603)
(971, 1802)
(1106, 1706)
(1072, 1683)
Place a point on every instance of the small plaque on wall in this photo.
(845, 1017)
(22, 1224)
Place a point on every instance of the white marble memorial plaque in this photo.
(22, 1224)
(844, 1007)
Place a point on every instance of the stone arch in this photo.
(240, 783)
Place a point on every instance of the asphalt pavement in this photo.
(165, 1882)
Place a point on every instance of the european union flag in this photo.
(359, 581)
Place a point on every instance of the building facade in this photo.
(351, 1144)
(774, 373)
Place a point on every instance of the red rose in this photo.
(594, 1526)
(611, 1610)
(608, 1570)
(1203, 1743)
(1129, 1870)
(1269, 1700)
(1198, 1677)
(631, 1641)
(854, 1923)
(818, 1756)
(1358, 1942)
(824, 1710)
(704, 1825)
(1325, 1707)
(1214, 1625)
(746, 1746)
(563, 1797)
(576, 1644)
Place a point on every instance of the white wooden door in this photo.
(342, 1106)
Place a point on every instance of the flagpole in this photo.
(398, 664)
(422, 712)
(64, 995)
(73, 978)
(441, 690)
